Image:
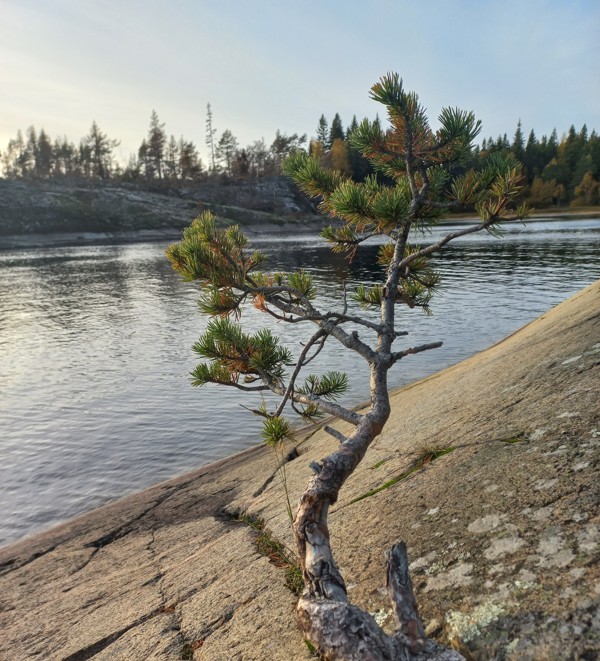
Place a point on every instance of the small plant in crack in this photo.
(273, 549)
(428, 453)
(512, 440)
(275, 430)
(378, 464)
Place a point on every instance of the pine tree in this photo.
(190, 165)
(418, 160)
(96, 153)
(226, 151)
(44, 156)
(156, 142)
(171, 160)
(283, 145)
(359, 165)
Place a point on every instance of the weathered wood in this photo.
(401, 595)
(341, 631)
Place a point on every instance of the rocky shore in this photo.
(502, 526)
(36, 214)
(49, 213)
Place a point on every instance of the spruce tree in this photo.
(323, 132)
(518, 144)
(336, 132)
(418, 160)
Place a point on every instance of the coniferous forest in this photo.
(560, 171)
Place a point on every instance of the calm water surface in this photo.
(95, 397)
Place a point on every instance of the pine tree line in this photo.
(558, 172)
(159, 158)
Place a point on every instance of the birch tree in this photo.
(419, 160)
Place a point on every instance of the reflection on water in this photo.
(95, 354)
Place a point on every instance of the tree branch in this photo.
(335, 433)
(299, 365)
(343, 318)
(434, 247)
(329, 407)
(398, 355)
(239, 386)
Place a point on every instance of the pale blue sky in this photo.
(276, 64)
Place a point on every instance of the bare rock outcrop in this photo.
(76, 211)
(488, 470)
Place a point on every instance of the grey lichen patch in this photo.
(503, 546)
(423, 561)
(588, 538)
(542, 514)
(580, 465)
(527, 576)
(467, 626)
(525, 586)
(456, 577)
(537, 434)
(484, 523)
(543, 485)
(550, 544)
(553, 552)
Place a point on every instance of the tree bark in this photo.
(338, 629)
(343, 632)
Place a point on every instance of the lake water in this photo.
(95, 354)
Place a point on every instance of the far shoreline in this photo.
(73, 239)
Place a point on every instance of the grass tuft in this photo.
(514, 439)
(426, 455)
(277, 552)
(378, 464)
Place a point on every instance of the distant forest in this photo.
(558, 172)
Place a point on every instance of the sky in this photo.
(265, 65)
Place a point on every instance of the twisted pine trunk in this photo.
(339, 630)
